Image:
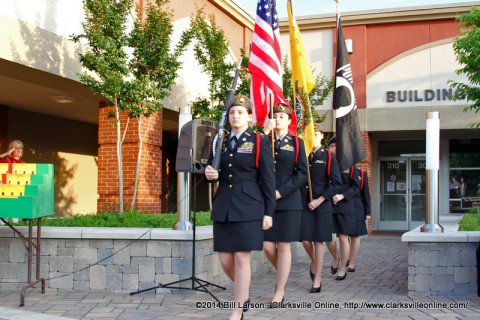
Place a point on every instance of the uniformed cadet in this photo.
(344, 213)
(317, 220)
(362, 212)
(290, 175)
(244, 202)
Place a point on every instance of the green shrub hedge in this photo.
(117, 220)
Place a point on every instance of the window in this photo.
(464, 174)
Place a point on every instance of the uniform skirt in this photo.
(316, 226)
(361, 229)
(237, 236)
(345, 223)
(286, 226)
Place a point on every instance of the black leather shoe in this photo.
(340, 278)
(246, 306)
(351, 269)
(316, 290)
(334, 270)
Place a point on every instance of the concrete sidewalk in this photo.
(380, 277)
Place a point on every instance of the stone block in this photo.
(65, 264)
(469, 257)
(61, 281)
(8, 270)
(422, 270)
(158, 249)
(142, 261)
(146, 273)
(139, 249)
(422, 283)
(181, 266)
(441, 270)
(105, 256)
(113, 269)
(130, 282)
(81, 286)
(53, 264)
(98, 279)
(128, 269)
(104, 244)
(18, 252)
(74, 243)
(122, 252)
(114, 282)
(462, 289)
(4, 250)
(411, 257)
(159, 265)
(461, 275)
(65, 252)
(442, 282)
(449, 258)
(425, 258)
(82, 273)
(185, 250)
(83, 255)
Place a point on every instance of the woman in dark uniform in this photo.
(344, 213)
(244, 202)
(290, 175)
(362, 212)
(317, 223)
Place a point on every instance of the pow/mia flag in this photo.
(350, 148)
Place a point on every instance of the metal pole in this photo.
(432, 168)
(183, 182)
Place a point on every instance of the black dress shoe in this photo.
(316, 290)
(340, 278)
(246, 306)
(351, 269)
(334, 270)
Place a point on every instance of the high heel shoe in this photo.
(246, 306)
(340, 278)
(351, 269)
(335, 270)
(316, 290)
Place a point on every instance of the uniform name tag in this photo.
(319, 161)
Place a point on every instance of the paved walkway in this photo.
(380, 278)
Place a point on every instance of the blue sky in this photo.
(311, 7)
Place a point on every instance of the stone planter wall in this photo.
(442, 263)
(117, 259)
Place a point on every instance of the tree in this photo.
(467, 50)
(133, 68)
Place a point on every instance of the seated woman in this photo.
(14, 153)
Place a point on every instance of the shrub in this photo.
(469, 222)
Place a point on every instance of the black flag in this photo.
(349, 138)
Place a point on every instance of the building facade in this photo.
(60, 121)
(402, 61)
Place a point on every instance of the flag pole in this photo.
(272, 133)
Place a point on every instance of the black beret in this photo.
(241, 100)
(332, 140)
(282, 108)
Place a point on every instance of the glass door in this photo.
(402, 193)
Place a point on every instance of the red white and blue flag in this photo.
(265, 63)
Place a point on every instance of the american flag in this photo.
(265, 62)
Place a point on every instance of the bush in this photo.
(127, 219)
(469, 222)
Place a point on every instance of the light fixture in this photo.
(63, 99)
(349, 45)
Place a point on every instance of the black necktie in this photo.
(233, 142)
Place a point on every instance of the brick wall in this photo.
(149, 190)
(366, 164)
